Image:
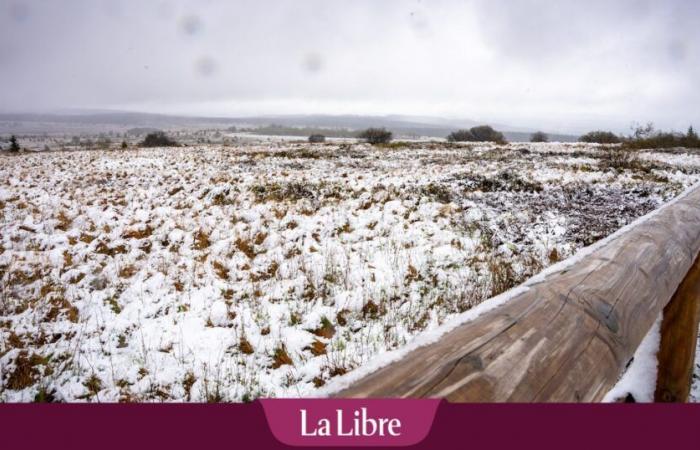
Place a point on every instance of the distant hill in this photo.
(80, 122)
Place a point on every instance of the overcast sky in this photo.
(557, 65)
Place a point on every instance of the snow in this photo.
(219, 314)
(187, 274)
(639, 380)
(695, 384)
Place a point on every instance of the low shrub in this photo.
(317, 138)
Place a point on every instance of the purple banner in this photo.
(350, 422)
(241, 426)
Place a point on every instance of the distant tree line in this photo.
(645, 136)
(281, 130)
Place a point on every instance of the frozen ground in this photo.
(227, 273)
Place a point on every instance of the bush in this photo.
(158, 139)
(600, 137)
(461, 136)
(482, 133)
(539, 136)
(376, 135)
(317, 138)
(124, 145)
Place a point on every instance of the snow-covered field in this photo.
(227, 273)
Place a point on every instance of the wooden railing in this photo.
(569, 337)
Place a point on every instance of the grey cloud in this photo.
(562, 64)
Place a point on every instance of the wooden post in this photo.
(679, 333)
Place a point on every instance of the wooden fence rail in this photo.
(569, 337)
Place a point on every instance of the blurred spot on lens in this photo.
(313, 62)
(19, 12)
(205, 66)
(677, 50)
(191, 25)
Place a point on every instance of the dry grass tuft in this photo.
(60, 305)
(25, 373)
(317, 348)
(201, 240)
(341, 318)
(326, 330)
(280, 357)
(141, 233)
(246, 247)
(221, 270)
(104, 249)
(128, 271)
(64, 222)
(245, 347)
(370, 309)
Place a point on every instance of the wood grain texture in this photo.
(568, 337)
(679, 333)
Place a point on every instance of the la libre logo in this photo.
(358, 423)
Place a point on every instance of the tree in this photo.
(317, 138)
(376, 135)
(600, 137)
(158, 139)
(124, 145)
(539, 136)
(691, 139)
(643, 131)
(14, 145)
(485, 133)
